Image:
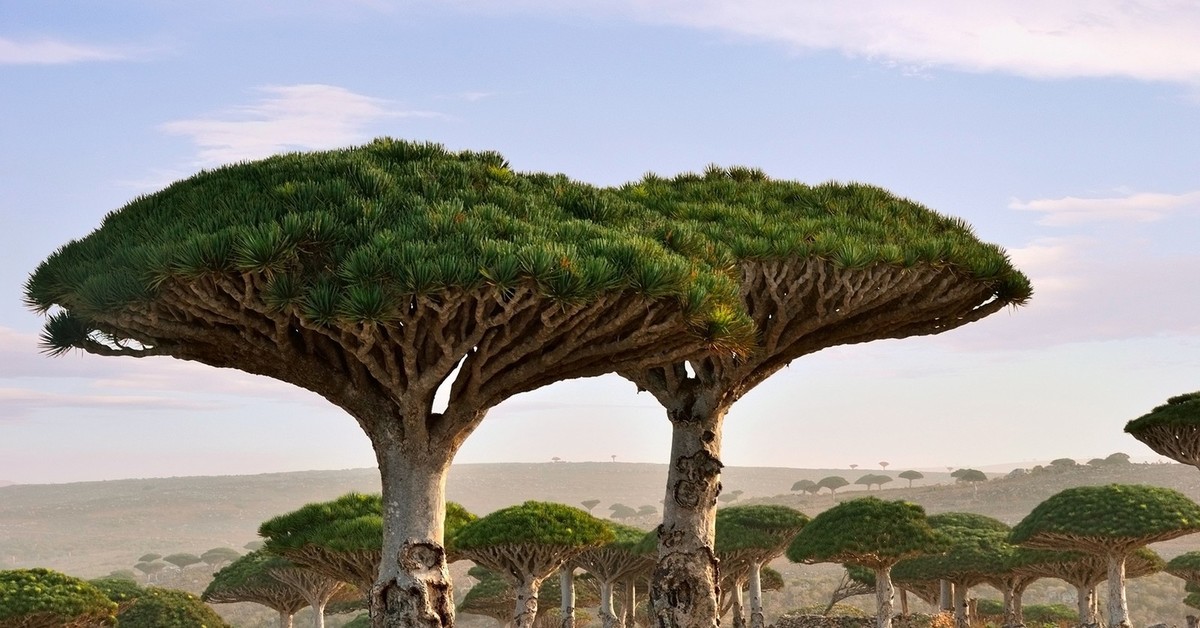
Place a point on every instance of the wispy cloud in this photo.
(1140, 39)
(52, 52)
(1132, 207)
(289, 117)
(19, 403)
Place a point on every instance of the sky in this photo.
(1065, 131)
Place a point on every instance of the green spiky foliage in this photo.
(1171, 429)
(977, 550)
(626, 555)
(1108, 519)
(250, 579)
(755, 534)
(867, 531)
(42, 598)
(1185, 566)
(534, 524)
(168, 608)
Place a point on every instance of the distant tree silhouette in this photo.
(911, 475)
(1117, 458)
(150, 568)
(853, 466)
(1060, 464)
(731, 496)
(969, 476)
(883, 464)
(647, 510)
(833, 483)
(149, 558)
(254, 545)
(220, 556)
(621, 511)
(590, 504)
(805, 486)
(872, 479)
(556, 459)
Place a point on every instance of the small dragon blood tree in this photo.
(621, 559)
(1085, 571)
(251, 578)
(749, 537)
(1172, 429)
(871, 533)
(1108, 521)
(529, 542)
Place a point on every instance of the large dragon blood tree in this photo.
(1111, 522)
(1172, 429)
(819, 266)
(376, 277)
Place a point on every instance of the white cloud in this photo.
(1141, 39)
(290, 117)
(50, 52)
(1135, 207)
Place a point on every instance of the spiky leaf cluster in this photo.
(977, 548)
(1108, 518)
(867, 531)
(537, 524)
(351, 522)
(348, 237)
(1171, 429)
(42, 598)
(1185, 566)
(168, 608)
(760, 528)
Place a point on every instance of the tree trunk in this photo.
(526, 607)
(960, 607)
(413, 588)
(904, 603)
(755, 588)
(885, 597)
(1012, 604)
(285, 619)
(1085, 603)
(566, 584)
(608, 618)
(945, 595)
(630, 603)
(684, 587)
(1118, 610)
(739, 613)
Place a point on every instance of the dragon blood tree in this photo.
(343, 538)
(1172, 429)
(621, 559)
(1085, 571)
(529, 542)
(749, 537)
(42, 598)
(861, 581)
(376, 277)
(493, 596)
(250, 579)
(1111, 522)
(819, 266)
(872, 533)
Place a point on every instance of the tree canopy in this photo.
(867, 531)
(249, 579)
(805, 486)
(536, 524)
(911, 475)
(168, 608)
(1108, 518)
(1171, 429)
(42, 598)
(832, 482)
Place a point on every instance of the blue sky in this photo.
(1065, 131)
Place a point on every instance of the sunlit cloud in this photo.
(1136, 207)
(288, 118)
(54, 52)
(1140, 39)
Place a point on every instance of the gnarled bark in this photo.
(885, 597)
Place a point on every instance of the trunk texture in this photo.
(684, 588)
(413, 587)
(566, 584)
(885, 597)
(945, 595)
(904, 603)
(1192, 621)
(755, 588)
(1012, 606)
(960, 607)
(1085, 603)
(608, 619)
(285, 619)
(319, 614)
(1118, 610)
(630, 613)
(739, 612)
(526, 607)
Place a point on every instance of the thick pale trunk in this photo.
(1118, 610)
(630, 613)
(526, 607)
(285, 619)
(945, 595)
(1012, 606)
(885, 597)
(739, 612)
(608, 618)
(413, 586)
(318, 610)
(960, 607)
(754, 587)
(566, 584)
(684, 588)
(1085, 603)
